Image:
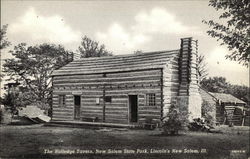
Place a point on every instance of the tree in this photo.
(220, 85)
(236, 32)
(3, 44)
(90, 48)
(33, 65)
(215, 84)
(9, 100)
(3, 39)
(241, 92)
(202, 67)
(176, 119)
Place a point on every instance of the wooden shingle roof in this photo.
(118, 63)
(227, 98)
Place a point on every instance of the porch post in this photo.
(104, 106)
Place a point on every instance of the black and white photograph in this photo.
(128, 79)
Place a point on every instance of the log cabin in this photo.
(128, 88)
(225, 108)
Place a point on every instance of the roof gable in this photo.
(151, 60)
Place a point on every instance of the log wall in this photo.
(170, 83)
(117, 85)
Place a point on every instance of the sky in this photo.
(123, 26)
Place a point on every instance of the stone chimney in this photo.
(188, 77)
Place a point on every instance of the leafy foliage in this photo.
(3, 44)
(175, 120)
(235, 34)
(200, 125)
(220, 85)
(11, 101)
(3, 39)
(206, 112)
(241, 92)
(32, 67)
(215, 84)
(90, 48)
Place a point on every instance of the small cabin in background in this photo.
(128, 88)
(226, 108)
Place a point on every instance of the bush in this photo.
(199, 125)
(207, 111)
(175, 120)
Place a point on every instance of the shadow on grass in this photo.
(167, 135)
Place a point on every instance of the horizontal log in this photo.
(116, 113)
(172, 84)
(116, 108)
(111, 75)
(134, 73)
(153, 108)
(167, 93)
(84, 111)
(107, 83)
(135, 91)
(113, 103)
(89, 98)
(62, 110)
(58, 116)
(156, 116)
(122, 88)
(108, 119)
(169, 87)
(92, 114)
(105, 79)
(116, 105)
(112, 69)
(90, 107)
(121, 101)
(116, 120)
(115, 96)
(114, 116)
(55, 105)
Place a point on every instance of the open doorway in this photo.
(77, 107)
(133, 108)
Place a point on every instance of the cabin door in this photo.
(133, 108)
(77, 107)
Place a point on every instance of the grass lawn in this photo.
(37, 141)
